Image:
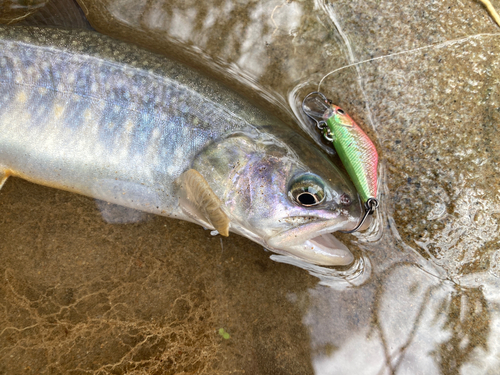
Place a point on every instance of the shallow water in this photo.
(81, 296)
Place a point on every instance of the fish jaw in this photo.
(314, 243)
(323, 250)
(320, 249)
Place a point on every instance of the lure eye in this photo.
(307, 190)
(340, 111)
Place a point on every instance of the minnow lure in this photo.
(356, 151)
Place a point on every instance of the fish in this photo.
(88, 114)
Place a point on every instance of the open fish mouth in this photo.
(313, 243)
(326, 250)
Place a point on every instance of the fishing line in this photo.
(436, 45)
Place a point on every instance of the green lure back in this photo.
(356, 151)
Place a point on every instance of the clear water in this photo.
(79, 295)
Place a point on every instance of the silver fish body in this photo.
(85, 113)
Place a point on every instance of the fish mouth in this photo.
(314, 243)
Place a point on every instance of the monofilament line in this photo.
(437, 45)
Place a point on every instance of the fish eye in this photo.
(307, 199)
(307, 190)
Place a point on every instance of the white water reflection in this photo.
(337, 279)
(466, 231)
(405, 322)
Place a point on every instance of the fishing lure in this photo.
(356, 151)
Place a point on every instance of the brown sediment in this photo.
(12, 11)
(148, 298)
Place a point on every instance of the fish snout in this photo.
(350, 206)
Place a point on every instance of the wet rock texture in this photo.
(422, 78)
(434, 106)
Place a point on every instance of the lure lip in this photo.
(318, 117)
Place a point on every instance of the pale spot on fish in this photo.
(71, 78)
(42, 90)
(87, 115)
(129, 125)
(196, 121)
(58, 110)
(93, 87)
(22, 97)
(179, 153)
(94, 130)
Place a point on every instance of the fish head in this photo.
(286, 195)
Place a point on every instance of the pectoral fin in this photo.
(200, 202)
